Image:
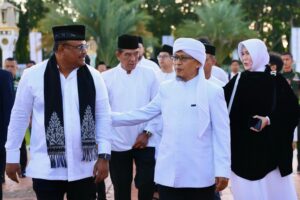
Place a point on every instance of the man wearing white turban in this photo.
(263, 115)
(194, 157)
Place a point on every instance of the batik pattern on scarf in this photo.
(88, 136)
(56, 139)
(54, 120)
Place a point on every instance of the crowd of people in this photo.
(181, 128)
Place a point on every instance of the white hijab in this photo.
(258, 52)
(196, 49)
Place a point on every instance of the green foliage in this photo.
(222, 23)
(104, 20)
(281, 14)
(31, 12)
(167, 13)
(22, 46)
(56, 16)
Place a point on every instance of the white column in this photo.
(7, 44)
(295, 46)
(6, 54)
(35, 41)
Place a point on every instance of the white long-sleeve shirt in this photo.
(144, 62)
(220, 74)
(216, 81)
(186, 159)
(30, 99)
(162, 76)
(127, 92)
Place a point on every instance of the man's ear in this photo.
(60, 48)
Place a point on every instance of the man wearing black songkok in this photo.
(164, 58)
(131, 86)
(70, 122)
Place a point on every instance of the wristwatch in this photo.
(104, 156)
(148, 133)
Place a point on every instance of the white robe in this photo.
(220, 74)
(162, 76)
(187, 158)
(144, 62)
(216, 81)
(271, 187)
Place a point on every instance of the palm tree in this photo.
(222, 22)
(105, 20)
(55, 16)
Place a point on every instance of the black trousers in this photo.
(2, 163)
(217, 196)
(1, 193)
(2, 167)
(55, 190)
(23, 156)
(169, 193)
(121, 167)
(101, 192)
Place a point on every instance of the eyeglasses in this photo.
(80, 47)
(181, 58)
(162, 57)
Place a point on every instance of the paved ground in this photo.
(23, 190)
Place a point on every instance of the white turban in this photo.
(196, 49)
(191, 47)
(258, 52)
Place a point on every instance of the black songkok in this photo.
(68, 32)
(276, 60)
(128, 42)
(167, 48)
(210, 49)
(140, 40)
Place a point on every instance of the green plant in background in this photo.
(273, 20)
(222, 23)
(32, 11)
(27, 137)
(56, 15)
(104, 21)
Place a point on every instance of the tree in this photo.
(104, 21)
(273, 20)
(222, 23)
(31, 12)
(167, 14)
(57, 15)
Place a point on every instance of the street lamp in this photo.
(9, 32)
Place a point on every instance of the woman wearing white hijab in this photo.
(261, 151)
